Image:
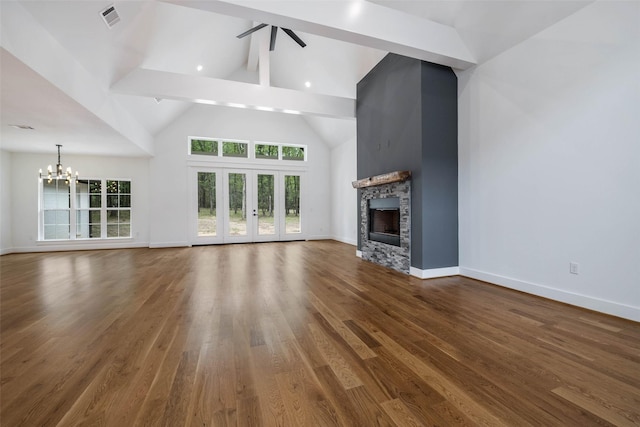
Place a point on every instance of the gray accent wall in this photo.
(407, 120)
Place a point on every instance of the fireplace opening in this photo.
(384, 220)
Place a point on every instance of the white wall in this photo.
(24, 198)
(344, 206)
(169, 221)
(6, 236)
(549, 156)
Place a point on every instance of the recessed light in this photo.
(307, 84)
(199, 67)
(291, 111)
(355, 8)
(205, 101)
(23, 127)
(264, 108)
(233, 104)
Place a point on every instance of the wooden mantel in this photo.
(387, 178)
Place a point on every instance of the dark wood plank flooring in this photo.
(296, 334)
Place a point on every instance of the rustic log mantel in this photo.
(387, 178)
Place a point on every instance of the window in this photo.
(56, 209)
(292, 153)
(88, 209)
(207, 147)
(118, 209)
(266, 151)
(94, 208)
(235, 149)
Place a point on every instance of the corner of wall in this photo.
(6, 235)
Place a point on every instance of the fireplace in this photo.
(384, 220)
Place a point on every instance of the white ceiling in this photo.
(163, 36)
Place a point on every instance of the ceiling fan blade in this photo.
(294, 37)
(253, 30)
(274, 31)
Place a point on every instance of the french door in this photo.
(244, 205)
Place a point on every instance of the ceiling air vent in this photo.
(110, 16)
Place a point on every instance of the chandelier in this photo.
(59, 174)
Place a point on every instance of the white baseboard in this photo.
(157, 245)
(318, 237)
(352, 242)
(597, 304)
(434, 272)
(77, 246)
(7, 251)
(358, 253)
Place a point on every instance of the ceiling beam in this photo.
(27, 40)
(359, 22)
(206, 90)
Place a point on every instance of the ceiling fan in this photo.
(274, 32)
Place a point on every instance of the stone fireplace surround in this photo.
(395, 257)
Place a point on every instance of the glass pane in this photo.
(49, 217)
(82, 187)
(95, 187)
(82, 200)
(94, 217)
(237, 204)
(234, 149)
(112, 216)
(112, 230)
(266, 224)
(207, 213)
(124, 187)
(112, 201)
(112, 187)
(50, 201)
(124, 216)
(63, 231)
(95, 201)
(204, 147)
(49, 232)
(125, 201)
(56, 232)
(94, 231)
(124, 230)
(82, 217)
(292, 204)
(56, 194)
(266, 151)
(62, 217)
(292, 153)
(82, 231)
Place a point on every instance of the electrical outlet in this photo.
(573, 267)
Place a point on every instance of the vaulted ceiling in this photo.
(108, 91)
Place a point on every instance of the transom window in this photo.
(246, 149)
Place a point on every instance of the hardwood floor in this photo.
(296, 334)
